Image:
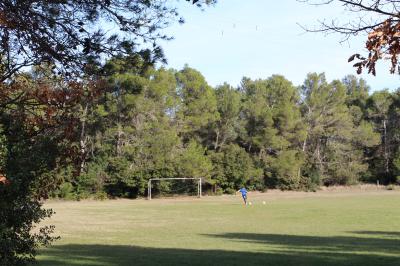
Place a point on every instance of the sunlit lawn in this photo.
(290, 229)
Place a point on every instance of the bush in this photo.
(218, 192)
(391, 187)
(230, 191)
(233, 168)
(101, 196)
(18, 243)
(66, 191)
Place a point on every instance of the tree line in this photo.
(140, 122)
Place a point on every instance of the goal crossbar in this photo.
(180, 178)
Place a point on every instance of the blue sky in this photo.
(259, 38)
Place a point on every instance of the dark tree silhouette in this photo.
(69, 33)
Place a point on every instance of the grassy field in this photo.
(323, 228)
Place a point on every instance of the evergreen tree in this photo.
(197, 110)
(333, 153)
(378, 106)
(226, 128)
(274, 130)
(234, 168)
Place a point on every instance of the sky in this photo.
(259, 38)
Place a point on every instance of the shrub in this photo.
(66, 191)
(19, 242)
(101, 195)
(391, 187)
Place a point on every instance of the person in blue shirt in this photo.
(244, 194)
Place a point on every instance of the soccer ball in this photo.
(249, 203)
(264, 202)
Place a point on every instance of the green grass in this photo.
(291, 229)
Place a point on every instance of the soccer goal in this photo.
(194, 181)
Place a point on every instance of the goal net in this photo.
(172, 187)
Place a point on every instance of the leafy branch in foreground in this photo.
(69, 33)
(379, 20)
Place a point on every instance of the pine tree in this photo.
(333, 154)
(274, 130)
(197, 110)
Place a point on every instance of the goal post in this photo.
(199, 188)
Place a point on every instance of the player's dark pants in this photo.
(244, 198)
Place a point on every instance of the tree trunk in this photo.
(83, 139)
(304, 150)
(216, 140)
(385, 147)
(119, 140)
(305, 140)
(119, 110)
(319, 156)
(305, 144)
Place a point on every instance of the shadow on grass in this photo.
(269, 249)
(378, 233)
(337, 244)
